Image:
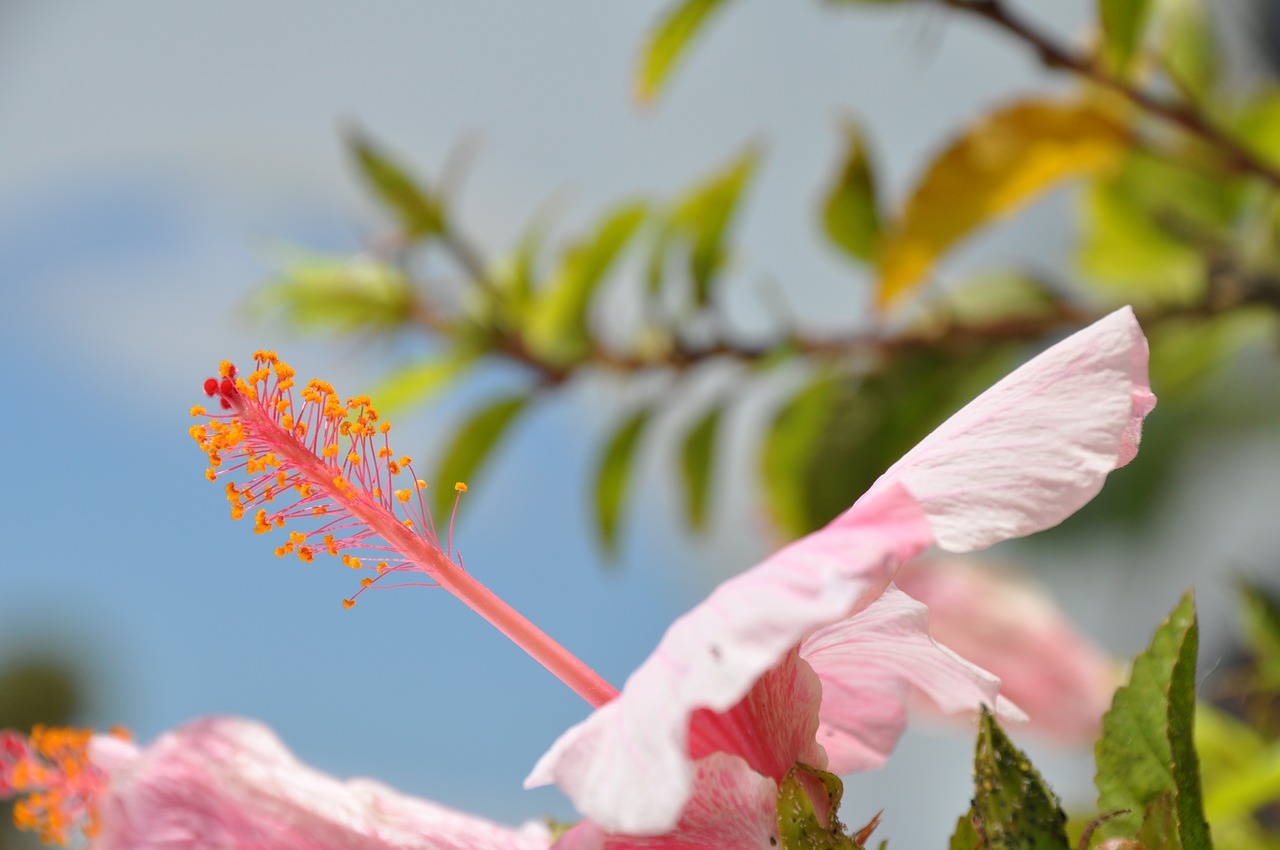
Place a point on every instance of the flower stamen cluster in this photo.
(57, 784)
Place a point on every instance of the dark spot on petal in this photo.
(715, 652)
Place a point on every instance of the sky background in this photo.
(155, 159)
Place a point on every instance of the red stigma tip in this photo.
(227, 388)
(210, 386)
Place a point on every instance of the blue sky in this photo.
(154, 156)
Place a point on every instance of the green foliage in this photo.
(1261, 621)
(1012, 806)
(471, 446)
(419, 212)
(1146, 757)
(680, 23)
(850, 213)
(38, 689)
(799, 827)
(344, 295)
(613, 473)
(1123, 22)
(697, 455)
(416, 382)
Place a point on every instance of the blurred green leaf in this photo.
(613, 473)
(557, 324)
(472, 444)
(1123, 23)
(828, 444)
(415, 382)
(1147, 747)
(36, 689)
(419, 212)
(699, 223)
(697, 455)
(1012, 805)
(1189, 46)
(1258, 125)
(984, 299)
(337, 295)
(850, 213)
(1261, 621)
(667, 42)
(1130, 257)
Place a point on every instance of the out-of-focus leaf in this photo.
(420, 213)
(965, 836)
(1123, 23)
(1147, 749)
(613, 473)
(1191, 199)
(850, 212)
(697, 454)
(1189, 45)
(666, 43)
(471, 446)
(828, 444)
(337, 294)
(1012, 805)
(699, 223)
(996, 297)
(418, 381)
(1258, 125)
(1130, 257)
(557, 324)
(1261, 621)
(995, 166)
(36, 689)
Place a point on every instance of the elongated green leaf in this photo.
(1012, 806)
(471, 446)
(418, 210)
(850, 213)
(1261, 618)
(613, 473)
(337, 294)
(418, 381)
(704, 216)
(1123, 22)
(667, 42)
(697, 454)
(1147, 749)
(557, 326)
(1189, 46)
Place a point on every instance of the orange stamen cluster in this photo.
(309, 458)
(57, 784)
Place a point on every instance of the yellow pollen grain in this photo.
(384, 427)
(331, 450)
(365, 582)
(297, 537)
(406, 460)
(348, 603)
(460, 487)
(306, 555)
(404, 495)
(353, 458)
(210, 474)
(197, 411)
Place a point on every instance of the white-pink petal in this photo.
(627, 766)
(1038, 445)
(222, 782)
(869, 666)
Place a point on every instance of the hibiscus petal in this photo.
(999, 620)
(870, 664)
(222, 782)
(628, 766)
(1034, 448)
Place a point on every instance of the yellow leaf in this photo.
(995, 167)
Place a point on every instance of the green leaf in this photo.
(1147, 747)
(1012, 806)
(1123, 22)
(337, 294)
(416, 382)
(420, 213)
(1261, 621)
(1189, 46)
(666, 43)
(965, 836)
(557, 324)
(613, 474)
(699, 223)
(850, 213)
(799, 827)
(471, 446)
(697, 453)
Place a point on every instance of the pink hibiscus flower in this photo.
(809, 657)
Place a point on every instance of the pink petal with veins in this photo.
(222, 782)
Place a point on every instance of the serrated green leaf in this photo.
(699, 223)
(415, 382)
(472, 444)
(1123, 23)
(850, 212)
(667, 42)
(799, 827)
(1147, 747)
(419, 212)
(613, 473)
(337, 294)
(697, 453)
(1012, 806)
(557, 323)
(965, 837)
